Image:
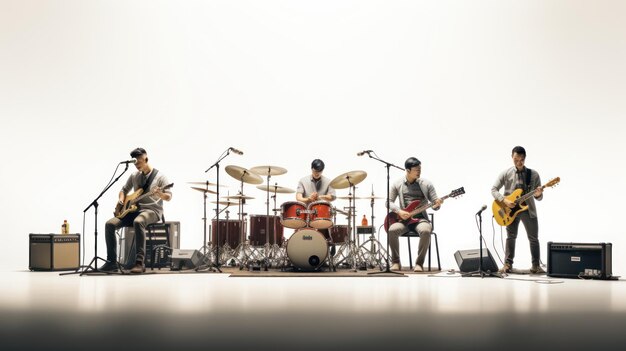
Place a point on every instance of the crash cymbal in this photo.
(344, 181)
(243, 174)
(244, 197)
(268, 170)
(203, 190)
(276, 189)
(206, 184)
(227, 203)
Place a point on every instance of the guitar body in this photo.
(393, 217)
(128, 206)
(504, 215)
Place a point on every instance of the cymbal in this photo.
(359, 197)
(203, 190)
(276, 189)
(226, 203)
(244, 197)
(206, 184)
(243, 174)
(344, 181)
(268, 170)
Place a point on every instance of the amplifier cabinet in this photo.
(52, 252)
(580, 260)
(127, 245)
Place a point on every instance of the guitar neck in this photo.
(527, 196)
(425, 207)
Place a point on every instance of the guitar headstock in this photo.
(553, 182)
(457, 192)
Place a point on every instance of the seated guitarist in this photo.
(409, 189)
(150, 210)
(520, 177)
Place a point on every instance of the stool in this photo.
(413, 234)
(162, 248)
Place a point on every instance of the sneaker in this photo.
(506, 268)
(108, 267)
(418, 268)
(536, 269)
(138, 268)
(396, 267)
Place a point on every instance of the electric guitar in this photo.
(505, 215)
(414, 209)
(130, 202)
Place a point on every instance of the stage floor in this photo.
(309, 312)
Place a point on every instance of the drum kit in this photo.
(307, 249)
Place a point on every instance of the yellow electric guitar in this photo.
(505, 215)
(130, 202)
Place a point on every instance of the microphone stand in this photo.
(216, 264)
(480, 272)
(94, 260)
(388, 166)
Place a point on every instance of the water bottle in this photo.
(364, 221)
(65, 227)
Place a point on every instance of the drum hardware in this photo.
(376, 254)
(207, 260)
(269, 171)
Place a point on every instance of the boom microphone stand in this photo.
(480, 272)
(388, 165)
(94, 260)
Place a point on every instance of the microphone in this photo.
(133, 161)
(238, 152)
(363, 152)
(481, 209)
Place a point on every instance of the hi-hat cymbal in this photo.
(359, 197)
(205, 184)
(276, 189)
(243, 174)
(244, 197)
(226, 203)
(203, 190)
(268, 170)
(344, 181)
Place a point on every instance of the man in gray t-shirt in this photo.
(150, 210)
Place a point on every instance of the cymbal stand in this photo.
(373, 256)
(388, 166)
(350, 245)
(206, 257)
(245, 252)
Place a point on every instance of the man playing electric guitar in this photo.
(408, 189)
(520, 177)
(150, 210)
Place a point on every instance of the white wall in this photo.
(455, 83)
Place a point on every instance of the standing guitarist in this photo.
(520, 177)
(150, 210)
(408, 189)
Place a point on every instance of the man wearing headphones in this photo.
(150, 210)
(408, 189)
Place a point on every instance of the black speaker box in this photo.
(468, 260)
(52, 252)
(185, 259)
(580, 260)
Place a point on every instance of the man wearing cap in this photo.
(150, 210)
(408, 189)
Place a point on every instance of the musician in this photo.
(150, 210)
(520, 177)
(408, 189)
(315, 187)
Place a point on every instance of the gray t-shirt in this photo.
(307, 186)
(137, 180)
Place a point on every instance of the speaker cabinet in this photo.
(185, 259)
(127, 245)
(52, 252)
(579, 260)
(468, 260)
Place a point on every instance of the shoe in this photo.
(506, 268)
(418, 268)
(138, 268)
(108, 267)
(536, 269)
(396, 267)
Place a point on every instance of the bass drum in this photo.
(307, 249)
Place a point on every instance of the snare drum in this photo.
(320, 215)
(294, 215)
(307, 249)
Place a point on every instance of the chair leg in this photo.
(408, 239)
(437, 248)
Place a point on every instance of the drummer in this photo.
(315, 187)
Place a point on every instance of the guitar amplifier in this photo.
(159, 238)
(579, 260)
(52, 252)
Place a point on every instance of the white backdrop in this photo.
(455, 83)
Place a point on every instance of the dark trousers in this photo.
(532, 231)
(139, 221)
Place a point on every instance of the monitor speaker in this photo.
(185, 259)
(468, 260)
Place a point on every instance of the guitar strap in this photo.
(528, 174)
(146, 186)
